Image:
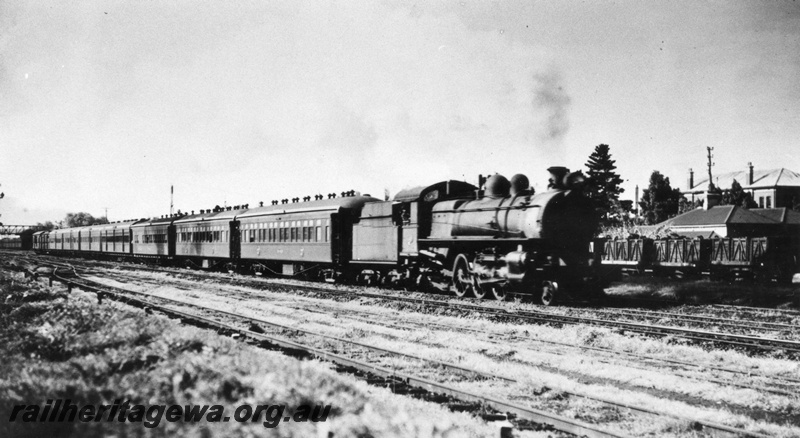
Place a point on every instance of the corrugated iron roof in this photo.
(761, 178)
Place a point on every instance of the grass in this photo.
(54, 345)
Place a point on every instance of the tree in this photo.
(602, 182)
(46, 226)
(659, 200)
(737, 196)
(82, 219)
(685, 205)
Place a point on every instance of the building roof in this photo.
(720, 215)
(781, 215)
(761, 179)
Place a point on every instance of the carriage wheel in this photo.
(548, 292)
(462, 279)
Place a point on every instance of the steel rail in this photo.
(407, 324)
(700, 318)
(565, 424)
(778, 379)
(650, 329)
(490, 401)
(785, 380)
(731, 307)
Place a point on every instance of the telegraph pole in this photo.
(171, 192)
(710, 164)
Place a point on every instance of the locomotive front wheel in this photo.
(462, 279)
(548, 292)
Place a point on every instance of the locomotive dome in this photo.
(497, 186)
(519, 183)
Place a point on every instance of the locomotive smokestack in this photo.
(557, 174)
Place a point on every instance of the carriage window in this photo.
(319, 233)
(327, 233)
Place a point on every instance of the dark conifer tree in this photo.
(603, 184)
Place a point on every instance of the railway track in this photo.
(753, 344)
(775, 385)
(399, 381)
(782, 386)
(403, 385)
(693, 319)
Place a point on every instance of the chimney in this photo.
(713, 198)
(750, 173)
(690, 182)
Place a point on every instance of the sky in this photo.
(106, 104)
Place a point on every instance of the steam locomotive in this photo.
(452, 235)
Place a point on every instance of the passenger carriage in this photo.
(313, 237)
(204, 239)
(154, 239)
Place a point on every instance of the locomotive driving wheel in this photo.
(548, 292)
(478, 290)
(462, 277)
(499, 292)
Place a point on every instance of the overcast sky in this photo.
(107, 104)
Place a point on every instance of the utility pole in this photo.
(106, 208)
(171, 192)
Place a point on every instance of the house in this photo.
(774, 188)
(726, 221)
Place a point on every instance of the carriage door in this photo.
(235, 241)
